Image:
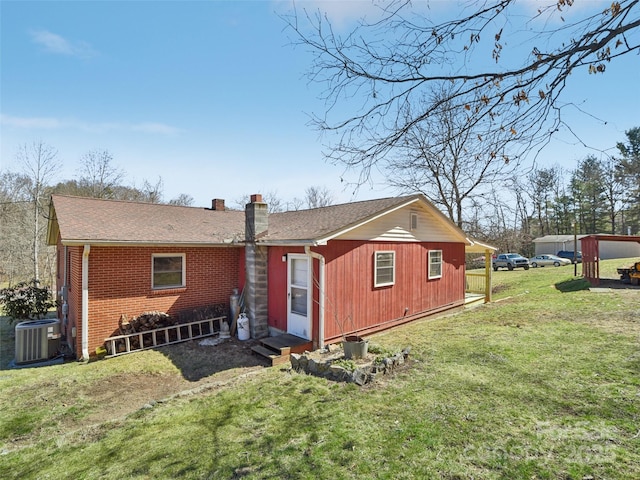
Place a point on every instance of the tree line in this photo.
(599, 195)
(24, 204)
(25, 194)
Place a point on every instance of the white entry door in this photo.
(299, 296)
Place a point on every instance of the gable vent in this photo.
(414, 221)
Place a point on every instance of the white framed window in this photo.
(384, 269)
(168, 270)
(413, 222)
(435, 264)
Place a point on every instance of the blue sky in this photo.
(209, 95)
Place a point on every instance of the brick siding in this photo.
(120, 283)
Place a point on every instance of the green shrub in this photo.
(26, 301)
(380, 351)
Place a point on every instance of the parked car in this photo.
(544, 260)
(477, 262)
(568, 254)
(510, 261)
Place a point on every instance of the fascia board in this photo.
(108, 243)
(419, 199)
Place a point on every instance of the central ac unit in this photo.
(37, 340)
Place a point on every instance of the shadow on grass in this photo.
(573, 285)
(196, 361)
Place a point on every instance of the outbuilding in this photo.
(552, 244)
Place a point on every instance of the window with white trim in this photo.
(435, 264)
(384, 269)
(413, 221)
(168, 270)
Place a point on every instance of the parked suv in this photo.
(568, 254)
(510, 261)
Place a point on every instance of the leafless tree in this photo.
(98, 176)
(271, 198)
(317, 196)
(295, 204)
(386, 65)
(542, 183)
(614, 192)
(184, 200)
(15, 228)
(40, 164)
(152, 192)
(452, 165)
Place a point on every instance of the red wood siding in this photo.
(352, 300)
(120, 283)
(277, 278)
(350, 293)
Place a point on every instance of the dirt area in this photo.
(201, 367)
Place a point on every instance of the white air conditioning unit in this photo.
(37, 340)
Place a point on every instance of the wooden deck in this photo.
(473, 299)
(278, 349)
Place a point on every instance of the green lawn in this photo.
(541, 384)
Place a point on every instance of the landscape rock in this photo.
(322, 364)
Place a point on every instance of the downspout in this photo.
(64, 294)
(85, 303)
(320, 259)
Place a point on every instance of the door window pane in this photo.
(299, 301)
(299, 272)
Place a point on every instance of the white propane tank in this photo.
(243, 327)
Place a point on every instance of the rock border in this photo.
(362, 375)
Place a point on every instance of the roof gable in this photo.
(383, 219)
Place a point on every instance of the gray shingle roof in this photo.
(320, 223)
(89, 220)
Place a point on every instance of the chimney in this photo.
(256, 267)
(217, 204)
(256, 218)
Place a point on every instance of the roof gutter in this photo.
(321, 293)
(142, 243)
(85, 302)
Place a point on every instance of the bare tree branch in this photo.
(388, 65)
